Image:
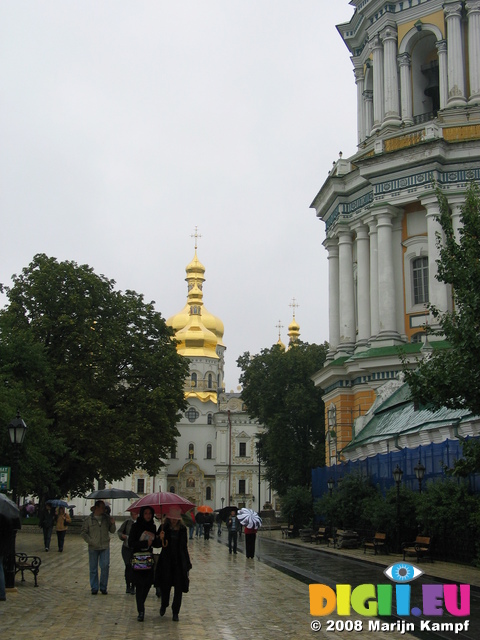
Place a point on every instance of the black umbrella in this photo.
(111, 494)
(226, 511)
(9, 512)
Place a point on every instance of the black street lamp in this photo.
(16, 430)
(258, 447)
(330, 485)
(419, 474)
(397, 476)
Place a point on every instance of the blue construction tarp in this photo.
(436, 458)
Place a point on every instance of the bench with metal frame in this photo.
(24, 562)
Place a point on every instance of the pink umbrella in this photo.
(161, 503)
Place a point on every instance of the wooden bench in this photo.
(287, 532)
(378, 542)
(30, 563)
(422, 548)
(320, 536)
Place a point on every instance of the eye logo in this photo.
(402, 572)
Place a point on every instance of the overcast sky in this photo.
(124, 124)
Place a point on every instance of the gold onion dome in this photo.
(194, 321)
(293, 331)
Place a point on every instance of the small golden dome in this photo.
(293, 331)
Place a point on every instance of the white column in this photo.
(437, 291)
(360, 82)
(442, 72)
(331, 245)
(368, 96)
(397, 235)
(456, 76)
(363, 284)
(378, 99)
(473, 14)
(456, 208)
(386, 276)
(374, 320)
(404, 61)
(390, 76)
(346, 288)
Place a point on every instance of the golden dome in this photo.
(188, 322)
(293, 331)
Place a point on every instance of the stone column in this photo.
(378, 96)
(374, 321)
(390, 76)
(456, 204)
(473, 14)
(363, 285)
(456, 75)
(331, 245)
(386, 275)
(437, 291)
(442, 72)
(346, 288)
(404, 62)
(368, 95)
(360, 82)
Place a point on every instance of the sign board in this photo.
(5, 474)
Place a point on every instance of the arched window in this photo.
(420, 280)
(210, 418)
(173, 452)
(194, 379)
(172, 489)
(191, 451)
(208, 493)
(209, 451)
(210, 381)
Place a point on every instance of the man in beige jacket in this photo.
(96, 530)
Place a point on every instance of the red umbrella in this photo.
(204, 508)
(161, 502)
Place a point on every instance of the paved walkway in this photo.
(230, 598)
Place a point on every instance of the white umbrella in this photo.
(249, 518)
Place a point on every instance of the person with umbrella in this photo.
(127, 551)
(174, 561)
(251, 522)
(141, 538)
(61, 522)
(47, 520)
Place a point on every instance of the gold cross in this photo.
(195, 235)
(294, 306)
(279, 326)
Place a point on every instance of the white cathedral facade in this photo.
(214, 461)
(417, 70)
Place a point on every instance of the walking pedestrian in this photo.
(61, 521)
(127, 551)
(174, 562)
(47, 520)
(250, 538)
(233, 526)
(95, 531)
(141, 539)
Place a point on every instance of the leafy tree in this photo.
(451, 377)
(279, 392)
(297, 507)
(95, 374)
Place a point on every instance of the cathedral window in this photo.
(191, 451)
(208, 493)
(241, 487)
(210, 418)
(242, 449)
(420, 280)
(140, 485)
(194, 379)
(173, 452)
(210, 381)
(192, 414)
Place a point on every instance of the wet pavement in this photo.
(230, 597)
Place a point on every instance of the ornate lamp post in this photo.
(419, 474)
(258, 447)
(16, 430)
(397, 476)
(330, 485)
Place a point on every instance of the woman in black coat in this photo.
(174, 562)
(142, 537)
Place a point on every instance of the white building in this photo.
(417, 71)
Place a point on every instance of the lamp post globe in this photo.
(419, 474)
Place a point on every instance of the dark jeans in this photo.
(47, 536)
(177, 595)
(232, 539)
(61, 539)
(127, 556)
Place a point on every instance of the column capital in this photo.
(404, 60)
(331, 245)
(389, 33)
(472, 6)
(442, 45)
(386, 210)
(452, 10)
(359, 74)
(375, 42)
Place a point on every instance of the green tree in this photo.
(297, 507)
(279, 392)
(95, 374)
(451, 377)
